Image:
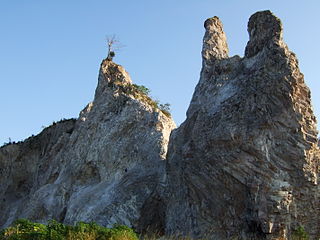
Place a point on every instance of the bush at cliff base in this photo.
(26, 230)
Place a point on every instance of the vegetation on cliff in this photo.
(142, 93)
(23, 229)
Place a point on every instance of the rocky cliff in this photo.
(102, 167)
(244, 164)
(246, 161)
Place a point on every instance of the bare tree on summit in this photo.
(113, 45)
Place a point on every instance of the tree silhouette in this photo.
(113, 44)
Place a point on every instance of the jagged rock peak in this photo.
(111, 69)
(214, 42)
(104, 167)
(111, 73)
(245, 163)
(264, 28)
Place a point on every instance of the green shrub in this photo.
(165, 109)
(142, 89)
(141, 93)
(26, 230)
(300, 234)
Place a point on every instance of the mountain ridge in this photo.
(244, 164)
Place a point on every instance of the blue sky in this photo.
(50, 51)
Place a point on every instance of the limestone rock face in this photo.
(103, 167)
(245, 163)
(27, 169)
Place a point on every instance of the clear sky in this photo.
(50, 51)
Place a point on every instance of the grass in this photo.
(300, 234)
(23, 229)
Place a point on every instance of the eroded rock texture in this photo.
(245, 163)
(104, 167)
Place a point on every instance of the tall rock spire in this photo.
(214, 51)
(215, 45)
(245, 163)
(264, 29)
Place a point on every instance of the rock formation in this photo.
(102, 167)
(245, 163)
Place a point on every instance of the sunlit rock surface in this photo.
(103, 167)
(245, 163)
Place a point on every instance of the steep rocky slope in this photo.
(245, 163)
(28, 166)
(103, 167)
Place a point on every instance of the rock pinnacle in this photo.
(215, 45)
(264, 29)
